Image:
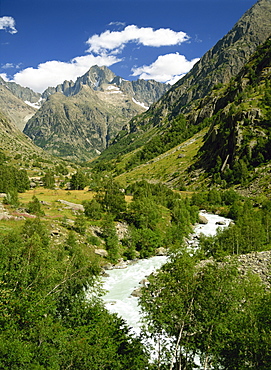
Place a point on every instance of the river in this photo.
(120, 283)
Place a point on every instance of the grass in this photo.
(168, 167)
(52, 208)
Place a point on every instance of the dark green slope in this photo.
(217, 66)
(238, 143)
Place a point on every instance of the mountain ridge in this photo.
(78, 120)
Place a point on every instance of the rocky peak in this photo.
(98, 78)
(23, 93)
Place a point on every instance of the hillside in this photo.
(236, 148)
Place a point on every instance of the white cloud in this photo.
(10, 65)
(8, 24)
(167, 68)
(54, 72)
(147, 36)
(4, 76)
(103, 50)
(117, 24)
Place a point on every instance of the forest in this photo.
(215, 316)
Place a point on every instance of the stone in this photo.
(136, 292)
(161, 251)
(101, 252)
(203, 220)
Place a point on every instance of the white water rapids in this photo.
(122, 282)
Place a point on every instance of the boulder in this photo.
(144, 282)
(136, 292)
(203, 220)
(101, 252)
(161, 251)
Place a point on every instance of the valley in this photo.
(102, 172)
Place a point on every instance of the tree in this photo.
(47, 322)
(80, 224)
(110, 236)
(92, 209)
(144, 213)
(209, 310)
(78, 181)
(35, 207)
(48, 180)
(12, 198)
(114, 199)
(145, 241)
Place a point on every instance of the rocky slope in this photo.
(78, 120)
(13, 105)
(217, 66)
(22, 153)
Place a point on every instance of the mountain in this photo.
(78, 120)
(13, 98)
(232, 150)
(216, 67)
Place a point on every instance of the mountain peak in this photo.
(96, 76)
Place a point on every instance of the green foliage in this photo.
(144, 213)
(249, 233)
(92, 209)
(78, 181)
(35, 207)
(48, 180)
(146, 241)
(158, 217)
(113, 200)
(94, 240)
(240, 137)
(46, 320)
(208, 310)
(80, 224)
(3, 157)
(110, 236)
(12, 199)
(178, 131)
(61, 169)
(213, 199)
(13, 179)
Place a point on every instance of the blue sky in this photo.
(44, 42)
